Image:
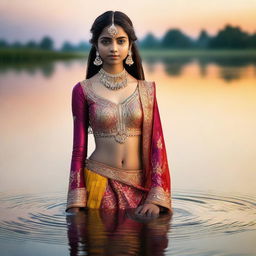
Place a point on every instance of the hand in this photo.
(148, 210)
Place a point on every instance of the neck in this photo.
(113, 69)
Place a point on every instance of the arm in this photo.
(159, 193)
(77, 192)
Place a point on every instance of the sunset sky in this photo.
(71, 20)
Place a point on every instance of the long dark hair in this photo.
(124, 21)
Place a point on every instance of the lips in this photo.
(113, 56)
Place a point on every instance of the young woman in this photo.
(129, 167)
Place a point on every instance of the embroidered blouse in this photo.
(108, 119)
(116, 118)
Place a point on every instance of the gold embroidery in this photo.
(159, 143)
(146, 90)
(157, 195)
(130, 132)
(128, 176)
(128, 112)
(157, 168)
(76, 198)
(75, 176)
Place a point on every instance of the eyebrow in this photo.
(106, 37)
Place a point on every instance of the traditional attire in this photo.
(94, 184)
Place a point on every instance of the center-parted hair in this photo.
(105, 20)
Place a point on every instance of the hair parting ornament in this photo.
(112, 30)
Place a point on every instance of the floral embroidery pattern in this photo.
(159, 143)
(75, 179)
(122, 196)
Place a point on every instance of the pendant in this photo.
(121, 136)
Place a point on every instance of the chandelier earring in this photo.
(97, 60)
(129, 60)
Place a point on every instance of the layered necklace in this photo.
(113, 81)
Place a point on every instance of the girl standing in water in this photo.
(129, 166)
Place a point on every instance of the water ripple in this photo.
(196, 214)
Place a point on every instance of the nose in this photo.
(114, 46)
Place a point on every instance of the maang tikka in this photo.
(112, 30)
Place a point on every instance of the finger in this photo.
(137, 211)
(149, 213)
(144, 210)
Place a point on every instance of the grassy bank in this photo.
(27, 55)
(30, 55)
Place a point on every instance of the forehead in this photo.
(121, 32)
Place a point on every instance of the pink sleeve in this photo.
(77, 191)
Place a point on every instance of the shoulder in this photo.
(81, 85)
(79, 89)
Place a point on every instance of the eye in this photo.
(122, 41)
(104, 41)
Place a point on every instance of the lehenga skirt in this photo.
(113, 188)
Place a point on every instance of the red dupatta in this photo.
(155, 162)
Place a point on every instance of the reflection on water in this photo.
(197, 215)
(229, 66)
(116, 233)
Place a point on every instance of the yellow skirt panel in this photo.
(96, 186)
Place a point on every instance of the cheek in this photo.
(103, 49)
(124, 48)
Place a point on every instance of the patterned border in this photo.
(133, 177)
(76, 198)
(158, 196)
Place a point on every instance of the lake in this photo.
(208, 112)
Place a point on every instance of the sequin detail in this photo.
(108, 119)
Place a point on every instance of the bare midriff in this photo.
(119, 155)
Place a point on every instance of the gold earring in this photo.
(129, 60)
(97, 60)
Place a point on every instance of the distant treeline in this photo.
(230, 37)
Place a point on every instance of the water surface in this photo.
(207, 108)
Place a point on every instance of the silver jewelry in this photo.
(112, 30)
(129, 60)
(111, 80)
(97, 60)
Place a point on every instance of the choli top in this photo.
(108, 119)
